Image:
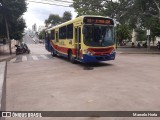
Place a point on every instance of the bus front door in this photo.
(78, 41)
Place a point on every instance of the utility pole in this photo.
(7, 29)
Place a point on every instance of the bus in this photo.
(85, 39)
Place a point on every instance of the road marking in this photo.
(43, 56)
(13, 60)
(24, 58)
(35, 58)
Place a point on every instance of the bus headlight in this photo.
(88, 52)
(113, 51)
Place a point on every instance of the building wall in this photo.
(134, 36)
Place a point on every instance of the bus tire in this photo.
(71, 58)
(53, 52)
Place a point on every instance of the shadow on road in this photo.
(87, 66)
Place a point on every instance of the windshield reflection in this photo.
(98, 35)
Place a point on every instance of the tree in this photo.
(149, 16)
(17, 29)
(66, 16)
(11, 11)
(89, 7)
(55, 19)
(141, 36)
(41, 35)
(123, 32)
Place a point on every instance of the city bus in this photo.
(85, 39)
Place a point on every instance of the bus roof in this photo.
(74, 20)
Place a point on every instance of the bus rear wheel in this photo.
(71, 58)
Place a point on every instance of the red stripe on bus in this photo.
(63, 49)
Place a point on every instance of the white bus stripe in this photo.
(35, 58)
(43, 56)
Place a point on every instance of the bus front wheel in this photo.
(71, 58)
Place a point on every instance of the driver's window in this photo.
(108, 34)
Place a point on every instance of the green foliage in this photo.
(141, 36)
(55, 19)
(123, 32)
(89, 7)
(12, 10)
(41, 34)
(66, 16)
(17, 29)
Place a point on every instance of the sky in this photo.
(37, 13)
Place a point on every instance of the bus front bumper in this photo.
(90, 58)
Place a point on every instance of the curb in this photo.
(138, 53)
(8, 58)
(3, 69)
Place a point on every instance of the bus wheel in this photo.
(71, 58)
(53, 52)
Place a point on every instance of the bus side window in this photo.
(70, 31)
(53, 34)
(62, 32)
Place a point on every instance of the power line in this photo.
(51, 1)
(58, 1)
(48, 3)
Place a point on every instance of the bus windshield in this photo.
(97, 35)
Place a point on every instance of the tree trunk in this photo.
(7, 30)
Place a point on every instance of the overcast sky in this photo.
(38, 12)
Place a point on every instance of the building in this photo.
(34, 28)
(41, 28)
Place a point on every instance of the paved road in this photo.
(131, 82)
(28, 40)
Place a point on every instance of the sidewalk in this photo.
(129, 50)
(2, 86)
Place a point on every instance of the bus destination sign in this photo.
(97, 20)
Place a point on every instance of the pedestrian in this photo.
(132, 44)
(139, 45)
